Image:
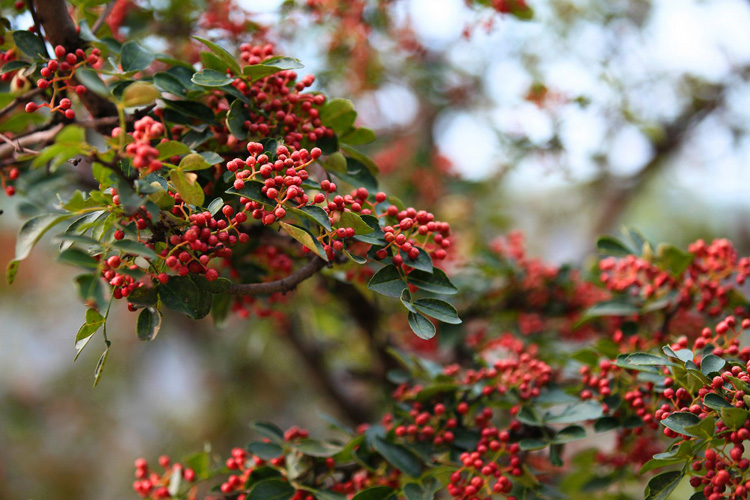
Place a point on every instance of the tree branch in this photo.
(18, 100)
(283, 285)
(7, 150)
(61, 30)
(314, 358)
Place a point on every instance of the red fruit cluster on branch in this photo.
(153, 485)
(144, 155)
(706, 283)
(59, 75)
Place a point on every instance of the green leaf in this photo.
(377, 236)
(609, 245)
(423, 262)
(171, 148)
(335, 162)
(169, 83)
(399, 456)
(211, 78)
(186, 184)
(271, 66)
(13, 66)
(424, 491)
(139, 94)
(181, 294)
(715, 402)
(734, 418)
(133, 247)
(324, 494)
(358, 136)
(679, 422)
(387, 281)
(646, 359)
(217, 286)
(149, 322)
(90, 79)
(316, 448)
(656, 463)
(223, 54)
(712, 364)
(376, 493)
(313, 213)
(661, 485)
(134, 57)
(32, 231)
(30, 44)
(365, 161)
(611, 308)
(338, 114)
(704, 429)
(77, 257)
(437, 282)
(673, 260)
(421, 326)
(580, 412)
(90, 289)
(100, 366)
(529, 444)
(94, 321)
(265, 451)
(568, 434)
(350, 219)
(236, 117)
(193, 161)
(438, 309)
(269, 430)
(606, 424)
(271, 489)
(214, 62)
(304, 237)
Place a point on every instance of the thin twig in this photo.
(18, 100)
(103, 17)
(7, 150)
(280, 286)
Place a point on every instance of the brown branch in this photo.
(7, 150)
(368, 317)
(61, 30)
(280, 286)
(19, 100)
(314, 358)
(618, 192)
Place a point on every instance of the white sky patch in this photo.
(397, 105)
(684, 41)
(526, 120)
(439, 23)
(469, 142)
(629, 151)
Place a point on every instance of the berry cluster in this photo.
(279, 108)
(9, 175)
(154, 486)
(59, 74)
(705, 284)
(144, 155)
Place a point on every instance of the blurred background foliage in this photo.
(591, 115)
